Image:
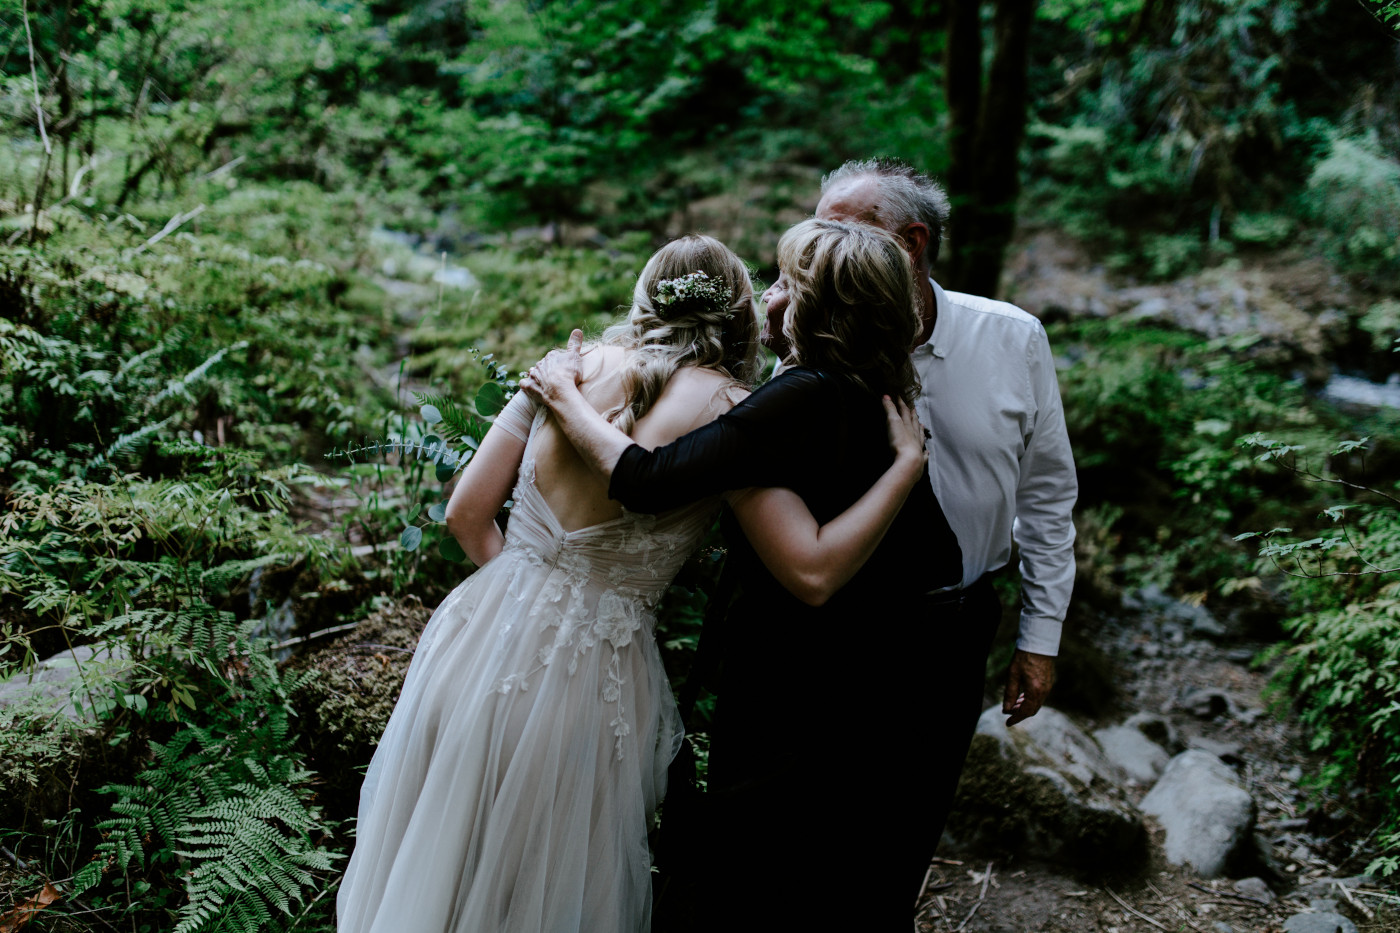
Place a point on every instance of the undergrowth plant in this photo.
(222, 828)
(399, 480)
(1340, 665)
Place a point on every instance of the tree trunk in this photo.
(986, 147)
(963, 77)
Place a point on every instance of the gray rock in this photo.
(1051, 739)
(1255, 888)
(1044, 789)
(1250, 716)
(1206, 703)
(1318, 923)
(1152, 600)
(1323, 905)
(1221, 926)
(1208, 817)
(59, 679)
(1325, 887)
(1228, 752)
(1132, 752)
(1157, 728)
(1148, 598)
(1204, 622)
(1153, 307)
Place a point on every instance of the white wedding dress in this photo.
(514, 783)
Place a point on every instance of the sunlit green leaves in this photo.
(451, 550)
(490, 399)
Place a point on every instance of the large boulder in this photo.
(1045, 790)
(1207, 815)
(60, 680)
(1133, 753)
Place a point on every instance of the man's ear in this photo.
(915, 237)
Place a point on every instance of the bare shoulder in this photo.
(692, 398)
(600, 361)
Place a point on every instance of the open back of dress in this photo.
(513, 785)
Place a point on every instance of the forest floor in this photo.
(1313, 850)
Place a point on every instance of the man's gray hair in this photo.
(910, 195)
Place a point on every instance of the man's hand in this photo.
(558, 371)
(1027, 683)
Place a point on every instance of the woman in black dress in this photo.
(816, 755)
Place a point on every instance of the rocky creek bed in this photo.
(1185, 808)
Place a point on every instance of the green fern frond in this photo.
(456, 424)
(127, 446)
(180, 388)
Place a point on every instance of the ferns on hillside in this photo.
(228, 808)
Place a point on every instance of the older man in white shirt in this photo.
(1000, 460)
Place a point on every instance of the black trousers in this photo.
(957, 673)
(834, 781)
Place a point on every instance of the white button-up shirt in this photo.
(1000, 460)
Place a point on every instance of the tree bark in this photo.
(984, 179)
(963, 81)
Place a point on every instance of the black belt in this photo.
(958, 598)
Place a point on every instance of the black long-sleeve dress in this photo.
(817, 758)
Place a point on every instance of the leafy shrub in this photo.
(1341, 663)
(1355, 193)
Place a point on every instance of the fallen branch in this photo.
(175, 223)
(1380, 894)
(1136, 913)
(1231, 894)
(986, 880)
(223, 169)
(923, 886)
(1346, 892)
(302, 639)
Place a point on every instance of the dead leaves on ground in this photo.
(12, 921)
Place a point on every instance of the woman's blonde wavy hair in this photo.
(721, 339)
(852, 304)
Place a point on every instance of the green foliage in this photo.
(1388, 11)
(1355, 192)
(1186, 132)
(1341, 664)
(226, 807)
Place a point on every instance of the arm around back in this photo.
(764, 440)
(813, 561)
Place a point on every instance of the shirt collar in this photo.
(937, 341)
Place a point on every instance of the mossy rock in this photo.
(344, 709)
(1009, 806)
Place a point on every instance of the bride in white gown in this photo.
(513, 785)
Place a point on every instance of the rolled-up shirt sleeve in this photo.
(762, 441)
(1045, 497)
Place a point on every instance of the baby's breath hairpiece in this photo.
(695, 291)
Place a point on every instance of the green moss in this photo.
(343, 709)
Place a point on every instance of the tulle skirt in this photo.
(514, 784)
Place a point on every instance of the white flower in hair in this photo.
(695, 291)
